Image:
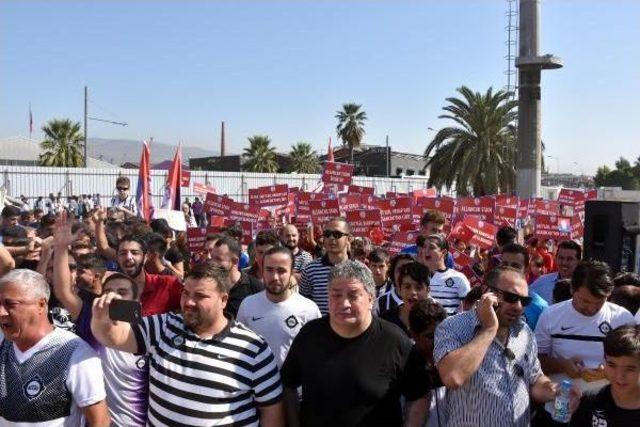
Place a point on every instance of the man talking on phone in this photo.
(487, 359)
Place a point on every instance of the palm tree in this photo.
(261, 157)
(62, 145)
(304, 159)
(480, 152)
(350, 127)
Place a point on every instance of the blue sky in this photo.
(175, 69)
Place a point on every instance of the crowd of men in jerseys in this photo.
(304, 330)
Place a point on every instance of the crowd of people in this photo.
(108, 320)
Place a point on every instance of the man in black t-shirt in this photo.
(617, 404)
(353, 367)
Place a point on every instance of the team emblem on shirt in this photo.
(178, 340)
(33, 388)
(604, 327)
(449, 283)
(141, 363)
(291, 321)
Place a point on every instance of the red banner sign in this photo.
(203, 189)
(362, 221)
(350, 202)
(353, 189)
(553, 227)
(547, 207)
(484, 232)
(461, 260)
(196, 238)
(395, 212)
(244, 212)
(442, 205)
(400, 240)
(505, 215)
(217, 205)
(274, 195)
(337, 173)
(481, 207)
(185, 178)
(324, 210)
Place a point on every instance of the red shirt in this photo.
(161, 294)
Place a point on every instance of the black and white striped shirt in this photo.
(314, 282)
(218, 381)
(449, 287)
(301, 259)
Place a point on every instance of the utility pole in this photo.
(529, 64)
(87, 118)
(86, 112)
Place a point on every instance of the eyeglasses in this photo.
(334, 233)
(511, 298)
(122, 188)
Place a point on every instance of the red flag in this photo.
(330, 152)
(143, 193)
(171, 198)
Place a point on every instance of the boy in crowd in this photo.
(617, 404)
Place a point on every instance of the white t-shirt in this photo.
(638, 317)
(563, 332)
(449, 287)
(84, 381)
(126, 379)
(277, 323)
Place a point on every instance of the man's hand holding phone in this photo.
(486, 312)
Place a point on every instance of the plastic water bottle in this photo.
(561, 405)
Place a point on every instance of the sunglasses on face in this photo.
(511, 298)
(72, 266)
(334, 233)
(122, 188)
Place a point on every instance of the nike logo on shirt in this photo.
(256, 318)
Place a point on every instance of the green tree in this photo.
(350, 127)
(62, 145)
(624, 175)
(260, 156)
(304, 159)
(479, 153)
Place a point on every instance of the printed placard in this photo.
(505, 215)
(424, 192)
(196, 238)
(480, 207)
(550, 227)
(547, 207)
(400, 240)
(324, 210)
(363, 221)
(247, 229)
(244, 212)
(217, 205)
(350, 202)
(396, 211)
(568, 196)
(273, 195)
(505, 200)
(445, 206)
(357, 189)
(337, 173)
(203, 189)
(484, 232)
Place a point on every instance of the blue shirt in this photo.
(243, 262)
(497, 394)
(413, 250)
(533, 311)
(544, 285)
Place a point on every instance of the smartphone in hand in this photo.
(125, 311)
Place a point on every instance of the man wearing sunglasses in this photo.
(516, 256)
(314, 279)
(124, 201)
(486, 357)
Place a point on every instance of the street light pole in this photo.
(86, 97)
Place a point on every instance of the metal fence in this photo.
(34, 181)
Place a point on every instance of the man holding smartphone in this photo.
(486, 357)
(205, 368)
